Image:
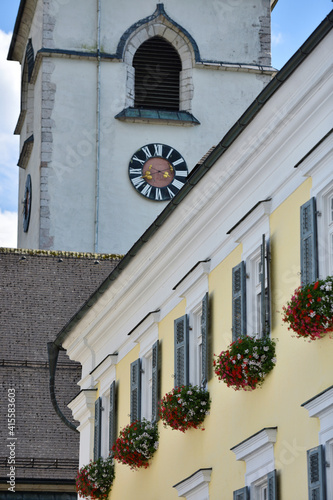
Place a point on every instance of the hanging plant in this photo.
(136, 444)
(246, 363)
(94, 481)
(185, 408)
(309, 313)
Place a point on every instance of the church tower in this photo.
(119, 102)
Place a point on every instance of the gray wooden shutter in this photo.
(316, 473)
(238, 301)
(204, 335)
(181, 333)
(309, 253)
(264, 285)
(272, 485)
(112, 416)
(155, 382)
(98, 428)
(135, 390)
(242, 494)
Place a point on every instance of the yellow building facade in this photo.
(259, 181)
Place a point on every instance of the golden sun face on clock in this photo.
(158, 172)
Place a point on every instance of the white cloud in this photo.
(277, 39)
(8, 229)
(9, 144)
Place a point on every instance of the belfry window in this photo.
(157, 75)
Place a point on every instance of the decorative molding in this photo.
(321, 406)
(158, 15)
(83, 406)
(258, 453)
(105, 373)
(195, 484)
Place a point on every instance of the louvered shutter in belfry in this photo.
(316, 473)
(181, 351)
(264, 288)
(309, 253)
(242, 494)
(112, 416)
(157, 75)
(97, 430)
(238, 301)
(204, 336)
(135, 390)
(272, 485)
(155, 382)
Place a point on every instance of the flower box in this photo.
(184, 408)
(136, 444)
(246, 363)
(309, 313)
(94, 481)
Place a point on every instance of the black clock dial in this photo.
(157, 171)
(27, 204)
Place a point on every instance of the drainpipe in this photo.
(53, 352)
(98, 124)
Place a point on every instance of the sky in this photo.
(293, 21)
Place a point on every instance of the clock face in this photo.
(27, 204)
(157, 171)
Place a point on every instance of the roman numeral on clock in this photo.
(135, 171)
(158, 194)
(146, 190)
(138, 181)
(158, 149)
(146, 151)
(177, 183)
(135, 158)
(177, 162)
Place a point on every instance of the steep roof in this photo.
(39, 292)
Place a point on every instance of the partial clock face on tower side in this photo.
(157, 171)
(27, 204)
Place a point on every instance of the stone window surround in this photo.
(160, 26)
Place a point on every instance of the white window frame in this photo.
(321, 407)
(249, 233)
(146, 384)
(253, 292)
(104, 374)
(317, 165)
(259, 488)
(195, 345)
(146, 334)
(105, 419)
(193, 288)
(258, 453)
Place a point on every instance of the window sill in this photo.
(178, 118)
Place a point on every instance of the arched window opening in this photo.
(157, 67)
